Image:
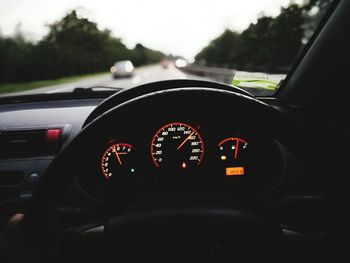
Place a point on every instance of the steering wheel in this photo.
(146, 88)
(180, 233)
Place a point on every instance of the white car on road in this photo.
(123, 68)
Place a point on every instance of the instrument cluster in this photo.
(188, 152)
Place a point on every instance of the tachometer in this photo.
(116, 160)
(177, 145)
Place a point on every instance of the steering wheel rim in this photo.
(57, 178)
(128, 94)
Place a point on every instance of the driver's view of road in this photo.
(142, 75)
(77, 46)
(187, 131)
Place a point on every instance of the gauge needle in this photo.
(185, 141)
(236, 149)
(116, 153)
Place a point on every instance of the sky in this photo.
(179, 27)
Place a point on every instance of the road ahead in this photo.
(142, 75)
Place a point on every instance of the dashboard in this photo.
(23, 158)
(182, 148)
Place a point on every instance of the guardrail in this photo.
(219, 74)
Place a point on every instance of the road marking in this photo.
(179, 74)
(136, 79)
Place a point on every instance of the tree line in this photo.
(73, 46)
(270, 44)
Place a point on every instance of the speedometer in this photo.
(177, 145)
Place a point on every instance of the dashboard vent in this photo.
(29, 142)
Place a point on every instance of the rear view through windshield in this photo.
(252, 44)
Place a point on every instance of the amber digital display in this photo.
(234, 171)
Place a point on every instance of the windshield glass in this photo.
(57, 46)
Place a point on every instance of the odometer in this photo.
(177, 145)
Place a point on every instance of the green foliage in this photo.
(273, 42)
(217, 53)
(14, 55)
(142, 55)
(270, 44)
(24, 86)
(73, 46)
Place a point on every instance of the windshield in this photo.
(57, 46)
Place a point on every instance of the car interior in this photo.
(186, 170)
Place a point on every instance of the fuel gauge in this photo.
(233, 155)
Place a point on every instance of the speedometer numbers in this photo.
(233, 153)
(177, 145)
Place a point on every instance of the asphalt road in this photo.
(142, 75)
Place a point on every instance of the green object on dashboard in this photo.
(255, 83)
